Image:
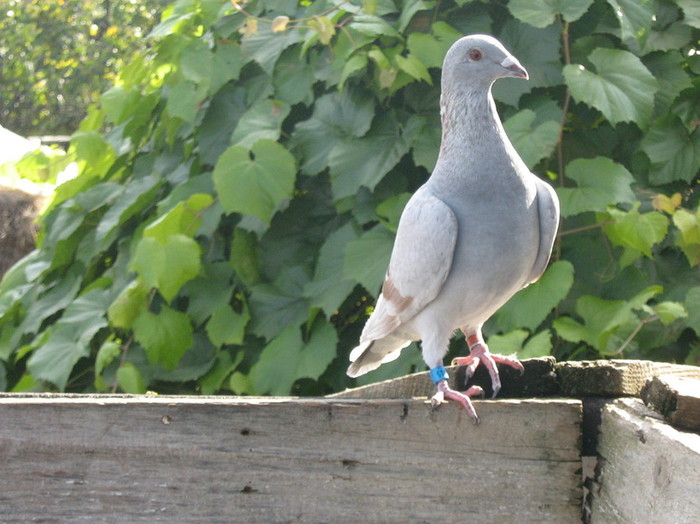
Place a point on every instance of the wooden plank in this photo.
(613, 378)
(676, 398)
(538, 380)
(648, 471)
(195, 459)
(542, 377)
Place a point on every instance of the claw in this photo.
(480, 354)
(445, 393)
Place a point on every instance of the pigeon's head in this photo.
(479, 59)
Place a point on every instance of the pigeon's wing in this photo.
(548, 210)
(419, 265)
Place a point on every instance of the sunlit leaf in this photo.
(541, 13)
(533, 142)
(165, 335)
(529, 307)
(674, 152)
(621, 87)
(257, 181)
(601, 183)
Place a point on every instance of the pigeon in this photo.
(480, 229)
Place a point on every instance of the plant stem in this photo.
(634, 333)
(565, 108)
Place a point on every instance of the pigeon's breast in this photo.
(497, 243)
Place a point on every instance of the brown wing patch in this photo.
(392, 295)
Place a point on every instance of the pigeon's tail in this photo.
(371, 354)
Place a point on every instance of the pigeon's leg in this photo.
(434, 348)
(444, 393)
(480, 354)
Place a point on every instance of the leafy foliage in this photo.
(57, 57)
(240, 188)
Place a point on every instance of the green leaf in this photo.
(372, 25)
(293, 79)
(541, 13)
(673, 151)
(274, 306)
(621, 87)
(108, 351)
(227, 326)
(130, 379)
(508, 343)
(539, 345)
(603, 319)
(367, 258)
(669, 312)
(58, 352)
(691, 12)
(529, 307)
(165, 335)
(354, 64)
(324, 28)
(414, 67)
(288, 358)
(427, 48)
(427, 144)
(135, 197)
(95, 156)
(61, 346)
(336, 116)
(668, 70)
(263, 120)
(168, 266)
(266, 46)
(196, 62)
(389, 211)
(640, 231)
(128, 305)
(212, 381)
(329, 288)
(382, 148)
(601, 183)
(117, 102)
(245, 257)
(226, 65)
(636, 18)
(183, 101)
(692, 305)
(258, 181)
(689, 226)
(533, 142)
(539, 50)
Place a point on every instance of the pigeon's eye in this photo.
(475, 54)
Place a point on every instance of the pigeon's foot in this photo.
(445, 393)
(480, 354)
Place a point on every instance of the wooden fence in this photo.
(72, 458)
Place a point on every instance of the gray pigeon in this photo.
(478, 231)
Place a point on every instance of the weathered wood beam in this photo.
(676, 398)
(648, 471)
(217, 459)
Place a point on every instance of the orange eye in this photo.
(475, 55)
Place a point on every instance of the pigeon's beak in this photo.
(514, 68)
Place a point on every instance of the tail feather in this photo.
(371, 354)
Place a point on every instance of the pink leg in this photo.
(479, 353)
(462, 398)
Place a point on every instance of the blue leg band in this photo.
(439, 373)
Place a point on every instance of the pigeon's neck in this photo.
(472, 134)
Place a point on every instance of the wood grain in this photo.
(676, 398)
(648, 471)
(197, 459)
